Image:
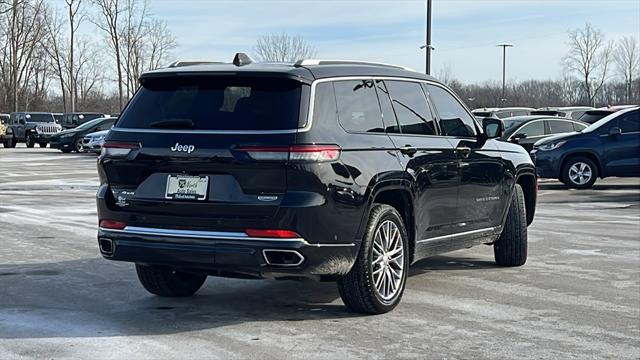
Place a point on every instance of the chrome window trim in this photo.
(309, 122)
(223, 235)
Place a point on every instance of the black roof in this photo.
(304, 73)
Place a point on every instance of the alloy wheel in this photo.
(580, 173)
(387, 267)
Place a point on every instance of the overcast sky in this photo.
(465, 32)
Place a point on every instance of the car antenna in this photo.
(241, 59)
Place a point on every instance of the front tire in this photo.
(579, 173)
(29, 141)
(511, 248)
(167, 282)
(377, 280)
(43, 144)
(78, 146)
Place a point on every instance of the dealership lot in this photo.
(577, 296)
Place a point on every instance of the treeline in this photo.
(52, 60)
(541, 93)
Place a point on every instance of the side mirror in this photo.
(492, 127)
(517, 137)
(615, 131)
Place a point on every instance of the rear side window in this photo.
(577, 114)
(578, 126)
(214, 103)
(560, 126)
(358, 108)
(411, 108)
(454, 119)
(388, 116)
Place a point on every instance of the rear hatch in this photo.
(184, 147)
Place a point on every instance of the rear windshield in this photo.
(481, 113)
(214, 103)
(40, 118)
(592, 116)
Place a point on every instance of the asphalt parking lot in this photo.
(578, 296)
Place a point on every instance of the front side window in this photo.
(630, 122)
(411, 108)
(535, 128)
(358, 108)
(454, 119)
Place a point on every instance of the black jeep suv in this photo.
(332, 170)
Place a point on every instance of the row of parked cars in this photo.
(575, 145)
(62, 131)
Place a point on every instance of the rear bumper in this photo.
(225, 252)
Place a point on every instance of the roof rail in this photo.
(306, 62)
(189, 63)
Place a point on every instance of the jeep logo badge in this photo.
(183, 148)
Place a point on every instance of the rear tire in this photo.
(362, 289)
(167, 282)
(579, 173)
(66, 151)
(511, 248)
(78, 146)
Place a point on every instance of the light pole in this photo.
(504, 67)
(427, 45)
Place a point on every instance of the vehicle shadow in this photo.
(98, 298)
(444, 263)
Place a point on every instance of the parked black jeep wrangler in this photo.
(333, 170)
(32, 128)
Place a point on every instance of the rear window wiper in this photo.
(173, 123)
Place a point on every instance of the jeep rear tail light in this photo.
(293, 153)
(118, 149)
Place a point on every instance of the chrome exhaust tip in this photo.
(106, 247)
(276, 257)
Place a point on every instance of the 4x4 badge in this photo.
(183, 148)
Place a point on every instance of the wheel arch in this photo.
(398, 195)
(586, 153)
(529, 184)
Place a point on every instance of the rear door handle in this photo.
(464, 150)
(408, 150)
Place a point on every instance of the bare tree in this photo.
(109, 23)
(53, 44)
(627, 59)
(589, 56)
(75, 18)
(22, 26)
(160, 42)
(283, 48)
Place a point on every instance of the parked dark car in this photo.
(32, 128)
(526, 130)
(569, 112)
(71, 139)
(609, 147)
(502, 113)
(332, 170)
(75, 119)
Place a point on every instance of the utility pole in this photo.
(504, 68)
(428, 43)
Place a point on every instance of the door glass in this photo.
(557, 126)
(535, 128)
(630, 123)
(411, 108)
(454, 118)
(388, 116)
(358, 108)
